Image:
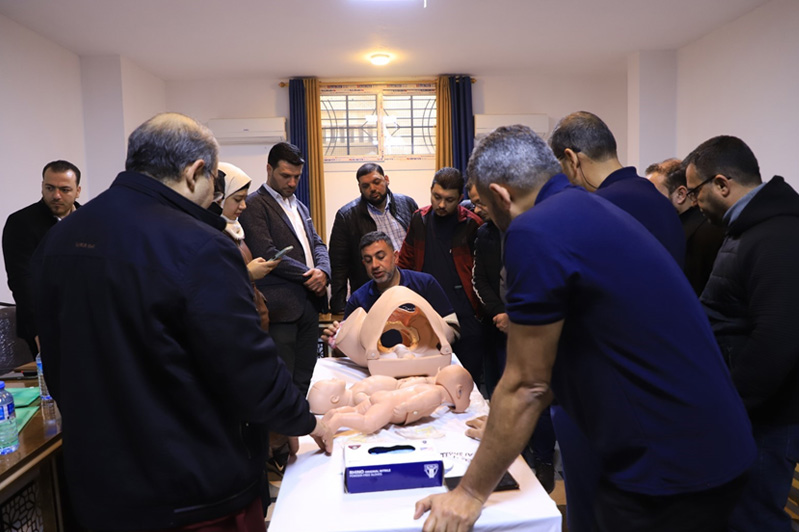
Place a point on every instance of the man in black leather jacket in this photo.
(378, 209)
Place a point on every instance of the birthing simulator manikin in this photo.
(400, 336)
(376, 401)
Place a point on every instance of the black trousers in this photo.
(296, 344)
(616, 510)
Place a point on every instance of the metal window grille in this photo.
(378, 122)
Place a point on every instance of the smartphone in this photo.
(279, 254)
(506, 483)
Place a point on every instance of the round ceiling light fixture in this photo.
(380, 59)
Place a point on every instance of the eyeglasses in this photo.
(692, 192)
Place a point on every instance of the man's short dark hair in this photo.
(367, 169)
(728, 156)
(166, 144)
(375, 236)
(61, 166)
(513, 156)
(672, 171)
(448, 178)
(285, 151)
(583, 132)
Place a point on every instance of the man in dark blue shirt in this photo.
(380, 260)
(586, 150)
(603, 320)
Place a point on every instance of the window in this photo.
(378, 121)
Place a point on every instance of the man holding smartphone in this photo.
(296, 289)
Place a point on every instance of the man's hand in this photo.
(478, 427)
(323, 436)
(316, 281)
(329, 334)
(456, 511)
(260, 267)
(502, 321)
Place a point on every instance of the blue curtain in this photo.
(299, 134)
(460, 88)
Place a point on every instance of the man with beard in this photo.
(440, 241)
(380, 263)
(26, 228)
(750, 299)
(605, 322)
(378, 209)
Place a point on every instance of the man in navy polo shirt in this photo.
(586, 150)
(604, 320)
(380, 260)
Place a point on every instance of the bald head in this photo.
(165, 145)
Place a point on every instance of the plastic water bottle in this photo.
(9, 437)
(42, 384)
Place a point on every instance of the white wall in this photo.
(743, 80)
(42, 117)
(232, 98)
(604, 94)
(143, 95)
(651, 107)
(104, 119)
(556, 95)
(118, 96)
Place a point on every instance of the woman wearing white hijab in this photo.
(237, 184)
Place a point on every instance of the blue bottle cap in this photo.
(2, 385)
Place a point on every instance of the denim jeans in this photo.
(761, 506)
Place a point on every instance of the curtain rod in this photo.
(394, 82)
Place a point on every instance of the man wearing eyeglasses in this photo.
(25, 229)
(702, 239)
(751, 299)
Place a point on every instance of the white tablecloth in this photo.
(312, 493)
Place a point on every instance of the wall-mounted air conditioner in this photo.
(485, 124)
(249, 130)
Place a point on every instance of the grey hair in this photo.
(513, 156)
(169, 142)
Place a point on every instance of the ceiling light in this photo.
(379, 59)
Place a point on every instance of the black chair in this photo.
(13, 350)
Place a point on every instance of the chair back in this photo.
(13, 350)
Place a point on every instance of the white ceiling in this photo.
(200, 39)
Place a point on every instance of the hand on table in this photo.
(323, 436)
(329, 334)
(478, 427)
(316, 281)
(455, 511)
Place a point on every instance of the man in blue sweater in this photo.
(586, 150)
(603, 320)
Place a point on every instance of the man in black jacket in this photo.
(152, 347)
(702, 239)
(751, 299)
(25, 229)
(378, 209)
